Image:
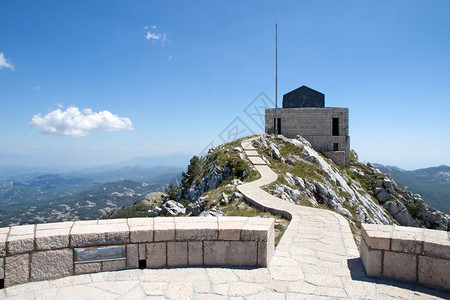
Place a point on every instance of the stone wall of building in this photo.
(315, 125)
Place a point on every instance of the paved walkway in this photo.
(316, 258)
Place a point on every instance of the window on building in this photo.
(335, 128)
(335, 147)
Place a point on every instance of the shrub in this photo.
(415, 208)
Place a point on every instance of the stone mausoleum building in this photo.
(304, 113)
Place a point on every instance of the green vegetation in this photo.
(415, 208)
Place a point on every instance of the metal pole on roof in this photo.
(276, 81)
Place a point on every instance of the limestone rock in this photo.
(400, 213)
(195, 208)
(154, 212)
(236, 196)
(383, 195)
(275, 153)
(224, 199)
(173, 208)
(211, 213)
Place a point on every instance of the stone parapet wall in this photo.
(407, 254)
(55, 250)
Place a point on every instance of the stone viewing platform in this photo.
(55, 250)
(316, 258)
(407, 254)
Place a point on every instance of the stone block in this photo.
(372, 260)
(4, 230)
(141, 230)
(20, 239)
(195, 253)
(85, 268)
(177, 254)
(156, 255)
(230, 228)
(112, 221)
(265, 251)
(230, 253)
(434, 272)
(83, 235)
(377, 237)
(3, 237)
(164, 229)
(257, 229)
(51, 226)
(19, 244)
(137, 222)
(141, 249)
(400, 266)
(436, 243)
(407, 239)
(113, 265)
(22, 230)
(196, 229)
(2, 268)
(51, 264)
(57, 238)
(132, 256)
(17, 269)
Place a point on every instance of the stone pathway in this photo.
(316, 258)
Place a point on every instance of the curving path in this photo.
(316, 258)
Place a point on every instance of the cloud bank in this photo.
(73, 122)
(4, 63)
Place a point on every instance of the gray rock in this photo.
(154, 212)
(383, 196)
(260, 143)
(290, 180)
(275, 153)
(224, 199)
(211, 213)
(173, 208)
(236, 196)
(387, 183)
(401, 214)
(197, 207)
(434, 218)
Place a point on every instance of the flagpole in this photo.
(276, 81)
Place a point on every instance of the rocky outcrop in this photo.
(401, 214)
(328, 188)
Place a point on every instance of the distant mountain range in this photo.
(85, 194)
(433, 184)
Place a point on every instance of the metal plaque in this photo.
(99, 253)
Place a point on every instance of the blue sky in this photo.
(93, 82)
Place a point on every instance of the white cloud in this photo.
(4, 63)
(72, 122)
(152, 36)
(155, 36)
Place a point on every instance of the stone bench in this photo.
(55, 250)
(407, 254)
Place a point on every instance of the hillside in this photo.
(88, 204)
(359, 192)
(433, 184)
(83, 194)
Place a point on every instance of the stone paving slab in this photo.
(316, 259)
